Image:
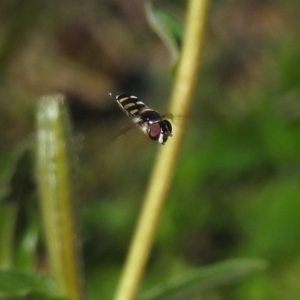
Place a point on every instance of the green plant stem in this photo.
(185, 81)
(54, 164)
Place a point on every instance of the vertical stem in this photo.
(55, 178)
(161, 178)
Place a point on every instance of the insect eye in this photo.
(150, 116)
(154, 131)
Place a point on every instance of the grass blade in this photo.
(56, 185)
(201, 280)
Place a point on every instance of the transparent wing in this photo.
(123, 130)
(176, 119)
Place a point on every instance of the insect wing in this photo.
(179, 120)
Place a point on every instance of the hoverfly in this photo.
(148, 120)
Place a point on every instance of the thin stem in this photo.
(164, 168)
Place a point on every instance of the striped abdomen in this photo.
(130, 104)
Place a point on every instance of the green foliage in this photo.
(55, 165)
(195, 282)
(16, 283)
(236, 188)
(16, 203)
(168, 28)
(15, 170)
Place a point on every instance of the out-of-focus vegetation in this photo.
(236, 189)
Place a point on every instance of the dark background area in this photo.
(236, 189)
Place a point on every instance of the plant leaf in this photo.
(16, 189)
(197, 281)
(167, 27)
(55, 172)
(14, 170)
(17, 283)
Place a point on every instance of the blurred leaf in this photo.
(16, 283)
(16, 189)
(28, 243)
(14, 172)
(168, 28)
(55, 171)
(205, 278)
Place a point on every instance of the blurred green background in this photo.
(236, 189)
